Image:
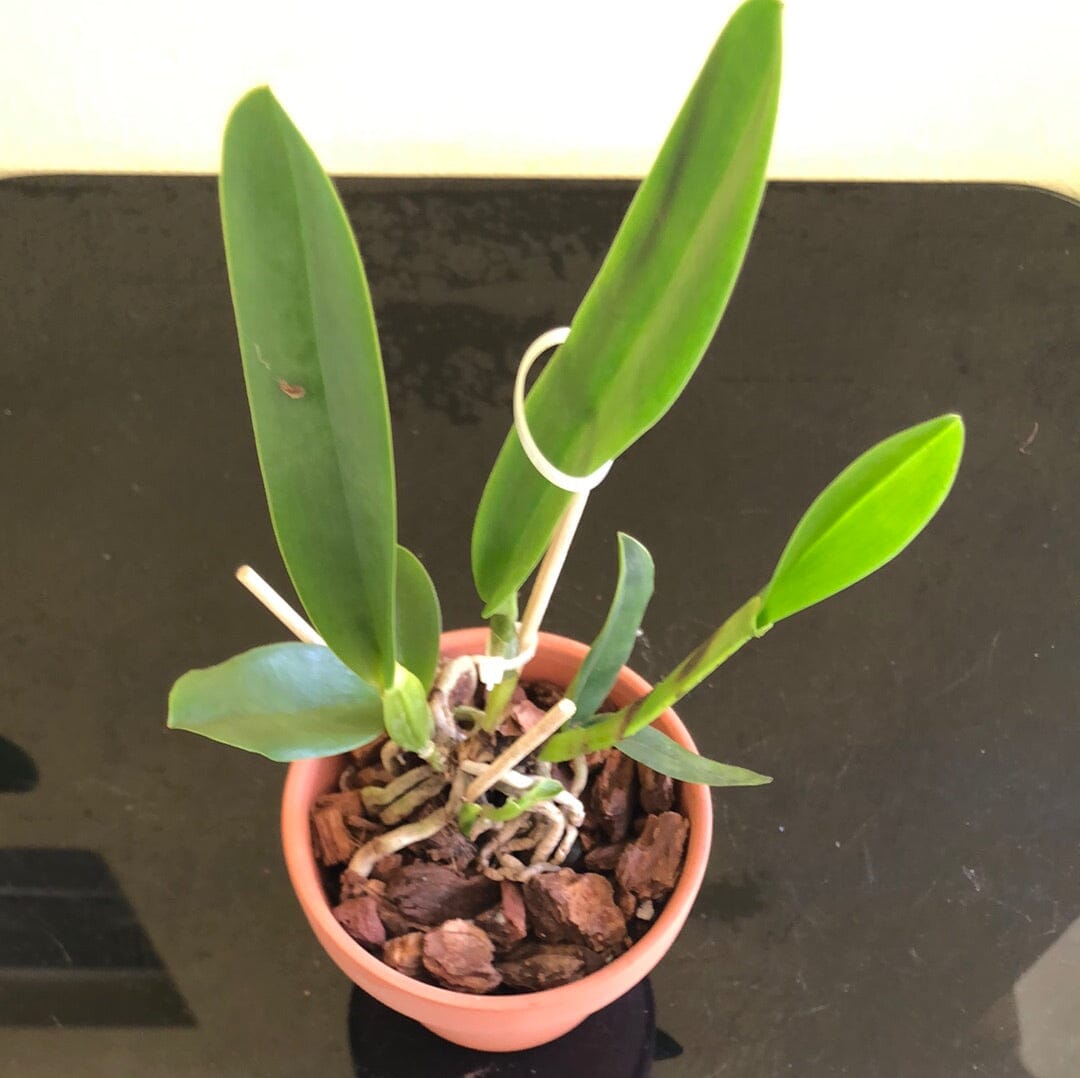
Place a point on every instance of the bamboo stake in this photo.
(513, 754)
(539, 599)
(277, 606)
(554, 560)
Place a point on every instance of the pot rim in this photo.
(696, 804)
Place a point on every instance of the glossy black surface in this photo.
(903, 900)
(621, 1041)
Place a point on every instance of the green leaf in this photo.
(654, 306)
(502, 629)
(656, 750)
(406, 713)
(419, 619)
(612, 647)
(603, 731)
(866, 516)
(502, 640)
(314, 380)
(468, 814)
(513, 807)
(284, 701)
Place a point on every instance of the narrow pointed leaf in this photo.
(603, 731)
(314, 380)
(406, 714)
(612, 647)
(656, 750)
(283, 701)
(654, 306)
(866, 516)
(419, 619)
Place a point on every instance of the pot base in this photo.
(620, 1041)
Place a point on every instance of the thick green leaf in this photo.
(652, 310)
(612, 647)
(284, 701)
(603, 731)
(656, 750)
(419, 619)
(314, 380)
(866, 516)
(406, 713)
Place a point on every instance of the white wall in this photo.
(911, 89)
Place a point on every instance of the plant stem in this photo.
(498, 701)
(277, 606)
(741, 627)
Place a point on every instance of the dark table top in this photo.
(903, 900)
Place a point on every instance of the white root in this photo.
(568, 840)
(409, 802)
(502, 836)
(580, 769)
(447, 730)
(388, 757)
(543, 836)
(457, 792)
(518, 845)
(514, 782)
(552, 826)
(537, 870)
(453, 671)
(573, 809)
(365, 858)
(481, 827)
(498, 842)
(377, 797)
(510, 868)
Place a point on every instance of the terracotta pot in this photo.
(495, 1023)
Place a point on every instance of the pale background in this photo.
(924, 89)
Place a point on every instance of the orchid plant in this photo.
(314, 375)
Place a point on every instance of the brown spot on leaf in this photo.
(292, 392)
